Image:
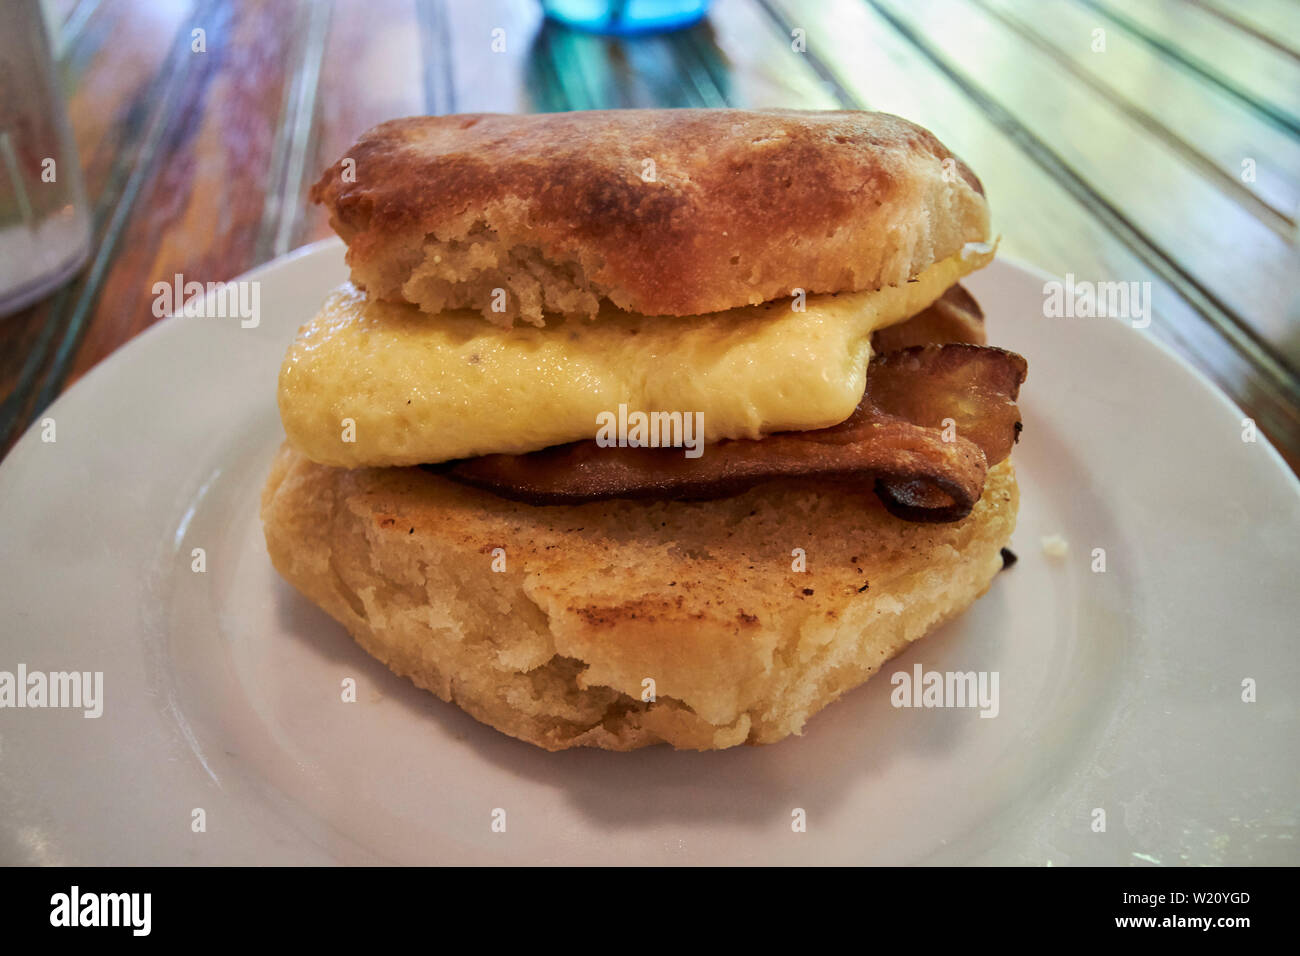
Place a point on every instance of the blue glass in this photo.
(626, 17)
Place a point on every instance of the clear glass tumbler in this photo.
(44, 217)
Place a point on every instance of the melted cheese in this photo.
(421, 388)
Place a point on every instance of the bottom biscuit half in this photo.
(743, 617)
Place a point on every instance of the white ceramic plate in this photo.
(1119, 691)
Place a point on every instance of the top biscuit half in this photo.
(659, 212)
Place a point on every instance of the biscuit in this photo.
(593, 600)
(661, 212)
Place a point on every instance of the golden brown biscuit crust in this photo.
(551, 639)
(663, 212)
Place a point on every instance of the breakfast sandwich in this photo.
(647, 426)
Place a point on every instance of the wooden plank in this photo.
(57, 11)
(1213, 129)
(289, 179)
(1261, 76)
(65, 20)
(1207, 235)
(489, 60)
(1040, 218)
(1275, 22)
(436, 55)
(761, 71)
(195, 202)
(26, 343)
(371, 71)
(107, 73)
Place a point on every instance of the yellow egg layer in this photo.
(372, 383)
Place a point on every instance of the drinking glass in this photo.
(44, 218)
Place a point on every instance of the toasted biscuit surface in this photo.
(701, 598)
(662, 212)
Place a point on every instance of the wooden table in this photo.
(1119, 140)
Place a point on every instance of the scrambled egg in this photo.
(372, 383)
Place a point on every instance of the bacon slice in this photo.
(895, 438)
(974, 387)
